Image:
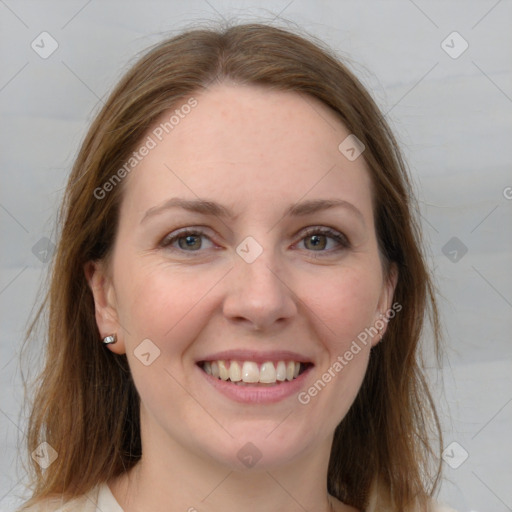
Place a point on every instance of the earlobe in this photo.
(105, 304)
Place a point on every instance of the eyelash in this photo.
(330, 233)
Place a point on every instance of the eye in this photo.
(317, 239)
(189, 240)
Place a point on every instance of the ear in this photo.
(385, 305)
(105, 304)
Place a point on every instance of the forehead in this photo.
(247, 145)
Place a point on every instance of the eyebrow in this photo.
(207, 207)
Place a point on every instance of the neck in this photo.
(170, 478)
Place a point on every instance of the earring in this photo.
(110, 339)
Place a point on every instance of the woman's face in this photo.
(268, 277)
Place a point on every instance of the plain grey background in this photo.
(450, 107)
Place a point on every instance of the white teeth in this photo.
(268, 373)
(235, 373)
(223, 371)
(290, 370)
(249, 372)
(281, 371)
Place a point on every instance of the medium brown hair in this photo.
(386, 450)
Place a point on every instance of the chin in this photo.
(254, 447)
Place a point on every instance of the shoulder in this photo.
(432, 506)
(442, 508)
(85, 503)
(338, 506)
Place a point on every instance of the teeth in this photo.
(223, 371)
(249, 372)
(290, 370)
(268, 373)
(281, 371)
(235, 374)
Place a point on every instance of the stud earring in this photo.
(110, 339)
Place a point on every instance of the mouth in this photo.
(254, 374)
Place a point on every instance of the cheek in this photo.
(158, 303)
(167, 307)
(345, 303)
(344, 309)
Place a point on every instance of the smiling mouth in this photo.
(250, 373)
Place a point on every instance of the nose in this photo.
(257, 296)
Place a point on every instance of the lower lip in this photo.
(255, 394)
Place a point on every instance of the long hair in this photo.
(386, 450)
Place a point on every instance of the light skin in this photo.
(256, 152)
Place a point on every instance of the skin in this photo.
(257, 152)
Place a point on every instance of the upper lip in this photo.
(257, 356)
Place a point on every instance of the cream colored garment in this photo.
(98, 499)
(101, 499)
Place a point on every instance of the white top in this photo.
(98, 499)
(101, 499)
